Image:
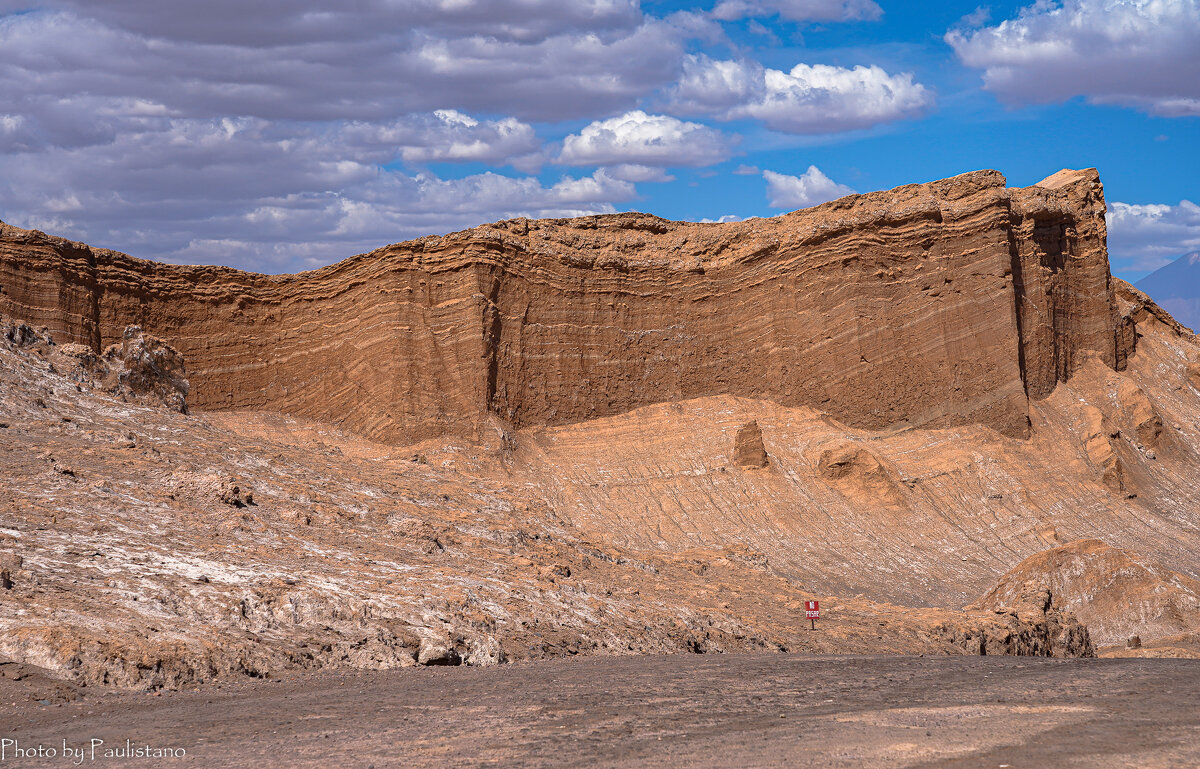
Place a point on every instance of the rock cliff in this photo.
(144, 547)
(607, 435)
(933, 305)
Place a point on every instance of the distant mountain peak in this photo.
(1176, 288)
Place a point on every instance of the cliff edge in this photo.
(937, 304)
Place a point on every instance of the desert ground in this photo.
(743, 710)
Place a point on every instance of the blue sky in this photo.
(286, 134)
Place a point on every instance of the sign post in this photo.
(812, 612)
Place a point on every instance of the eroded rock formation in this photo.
(1118, 593)
(948, 380)
(931, 304)
(748, 448)
(140, 368)
(151, 561)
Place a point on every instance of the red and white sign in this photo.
(812, 610)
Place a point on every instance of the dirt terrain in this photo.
(744, 710)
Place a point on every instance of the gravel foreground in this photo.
(745, 710)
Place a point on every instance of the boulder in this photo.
(144, 367)
(10, 564)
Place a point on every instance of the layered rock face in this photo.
(1116, 592)
(697, 436)
(936, 304)
(147, 548)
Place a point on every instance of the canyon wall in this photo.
(935, 304)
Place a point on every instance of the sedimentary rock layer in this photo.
(935, 304)
(1117, 592)
(144, 547)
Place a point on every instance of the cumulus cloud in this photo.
(648, 140)
(798, 10)
(272, 135)
(196, 61)
(1138, 53)
(284, 134)
(447, 135)
(809, 189)
(1145, 237)
(249, 192)
(810, 99)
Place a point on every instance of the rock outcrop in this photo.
(143, 366)
(145, 548)
(948, 381)
(1028, 623)
(748, 448)
(855, 471)
(140, 368)
(1116, 592)
(10, 564)
(935, 304)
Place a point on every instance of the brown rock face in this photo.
(181, 547)
(1064, 301)
(748, 448)
(1116, 592)
(587, 385)
(1029, 623)
(934, 304)
(855, 471)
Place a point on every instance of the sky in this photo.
(282, 135)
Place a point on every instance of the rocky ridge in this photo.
(1124, 599)
(609, 435)
(939, 304)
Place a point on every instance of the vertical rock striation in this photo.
(932, 304)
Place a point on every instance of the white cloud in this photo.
(1138, 53)
(639, 138)
(296, 61)
(798, 10)
(976, 18)
(809, 189)
(632, 172)
(1145, 237)
(267, 135)
(810, 99)
(717, 86)
(263, 135)
(253, 193)
(447, 135)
